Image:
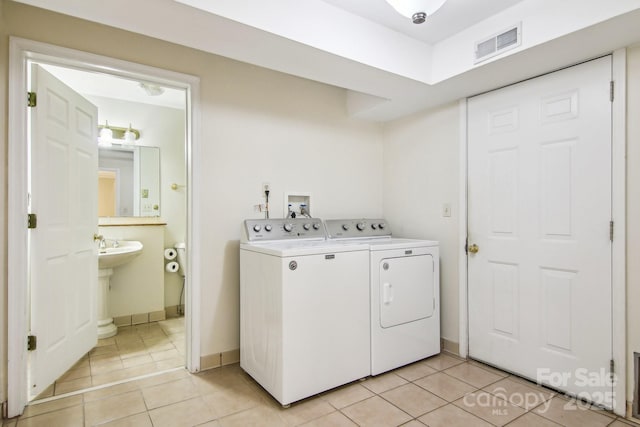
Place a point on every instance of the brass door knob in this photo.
(97, 237)
(474, 249)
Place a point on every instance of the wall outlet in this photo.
(446, 210)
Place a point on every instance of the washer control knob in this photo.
(257, 228)
(316, 226)
(288, 228)
(360, 226)
(382, 225)
(374, 226)
(345, 227)
(267, 227)
(306, 226)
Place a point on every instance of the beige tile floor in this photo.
(134, 351)
(439, 391)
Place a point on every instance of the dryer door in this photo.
(406, 289)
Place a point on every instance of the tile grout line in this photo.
(476, 390)
(613, 417)
(140, 336)
(375, 394)
(102, 386)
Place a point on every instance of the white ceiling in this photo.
(389, 66)
(453, 17)
(109, 86)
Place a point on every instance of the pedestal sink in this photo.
(119, 253)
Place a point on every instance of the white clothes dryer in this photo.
(304, 308)
(404, 292)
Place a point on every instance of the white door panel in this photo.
(64, 264)
(406, 288)
(539, 210)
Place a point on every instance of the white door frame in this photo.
(20, 51)
(618, 212)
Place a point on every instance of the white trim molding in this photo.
(619, 217)
(17, 315)
(463, 309)
(21, 51)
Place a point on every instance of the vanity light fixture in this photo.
(109, 134)
(106, 135)
(129, 137)
(417, 10)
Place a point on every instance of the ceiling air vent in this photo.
(498, 43)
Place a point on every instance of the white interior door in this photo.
(63, 255)
(539, 212)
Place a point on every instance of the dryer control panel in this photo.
(264, 230)
(354, 228)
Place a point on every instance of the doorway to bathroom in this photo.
(140, 198)
(157, 328)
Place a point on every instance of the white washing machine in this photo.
(304, 308)
(405, 292)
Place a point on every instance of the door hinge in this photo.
(611, 230)
(612, 374)
(32, 342)
(611, 90)
(31, 99)
(32, 220)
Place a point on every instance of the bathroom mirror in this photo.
(128, 180)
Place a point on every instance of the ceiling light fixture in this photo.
(417, 10)
(151, 89)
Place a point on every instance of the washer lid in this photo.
(396, 243)
(298, 248)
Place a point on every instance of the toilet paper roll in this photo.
(170, 253)
(172, 267)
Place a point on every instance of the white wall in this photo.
(421, 175)
(257, 125)
(261, 126)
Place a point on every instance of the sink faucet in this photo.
(103, 244)
(116, 244)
